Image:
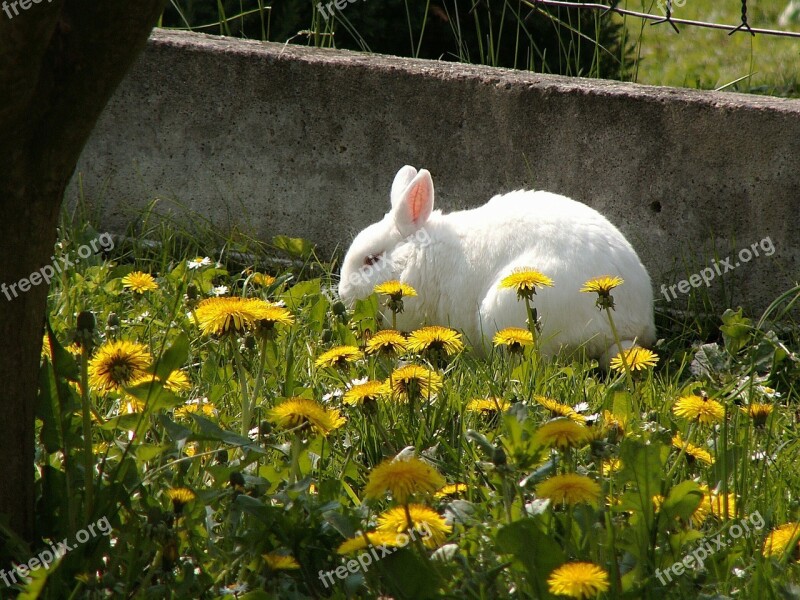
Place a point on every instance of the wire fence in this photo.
(668, 18)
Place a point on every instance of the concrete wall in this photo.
(278, 139)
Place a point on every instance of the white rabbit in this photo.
(456, 262)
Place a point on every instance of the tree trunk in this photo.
(60, 62)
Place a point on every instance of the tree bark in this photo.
(60, 62)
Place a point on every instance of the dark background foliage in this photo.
(504, 33)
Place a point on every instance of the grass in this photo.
(711, 59)
(287, 490)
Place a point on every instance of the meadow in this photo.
(711, 59)
(244, 434)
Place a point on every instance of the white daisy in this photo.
(199, 262)
(329, 397)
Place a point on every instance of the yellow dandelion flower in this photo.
(47, 351)
(280, 562)
(395, 289)
(367, 539)
(139, 282)
(602, 285)
(759, 412)
(451, 489)
(702, 410)
(262, 279)
(488, 406)
(293, 413)
(579, 580)
(338, 357)
(366, 392)
(516, 338)
(557, 409)
(609, 466)
(692, 452)
(435, 337)
(117, 364)
(414, 377)
(713, 502)
(525, 281)
(200, 406)
(177, 381)
(387, 342)
(700, 513)
(180, 497)
(273, 314)
(615, 422)
(562, 434)
(403, 477)
(416, 517)
(234, 315)
(131, 405)
(781, 539)
(638, 359)
(569, 489)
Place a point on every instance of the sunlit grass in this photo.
(276, 460)
(712, 59)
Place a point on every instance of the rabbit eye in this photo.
(371, 259)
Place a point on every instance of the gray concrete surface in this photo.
(275, 139)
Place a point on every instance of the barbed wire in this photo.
(668, 18)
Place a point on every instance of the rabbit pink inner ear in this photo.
(413, 207)
(401, 181)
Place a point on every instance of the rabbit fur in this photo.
(456, 261)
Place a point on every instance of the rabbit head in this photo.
(383, 250)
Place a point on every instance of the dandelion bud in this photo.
(113, 321)
(86, 322)
(339, 309)
(85, 330)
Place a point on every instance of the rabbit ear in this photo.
(401, 180)
(412, 207)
